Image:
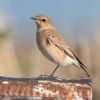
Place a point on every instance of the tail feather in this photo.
(78, 60)
(81, 64)
(83, 69)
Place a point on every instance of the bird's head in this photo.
(42, 21)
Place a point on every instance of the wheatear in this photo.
(53, 46)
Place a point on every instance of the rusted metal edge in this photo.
(45, 88)
(48, 78)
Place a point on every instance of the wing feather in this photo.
(60, 43)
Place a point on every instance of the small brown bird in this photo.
(52, 45)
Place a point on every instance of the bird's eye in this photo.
(44, 20)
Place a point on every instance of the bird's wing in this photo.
(60, 43)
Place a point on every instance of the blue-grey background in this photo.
(82, 16)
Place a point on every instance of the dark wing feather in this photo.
(81, 64)
(78, 59)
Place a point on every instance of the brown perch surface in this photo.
(45, 87)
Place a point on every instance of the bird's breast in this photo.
(43, 45)
(51, 51)
(41, 40)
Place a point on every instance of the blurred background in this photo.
(78, 21)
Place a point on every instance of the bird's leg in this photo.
(54, 71)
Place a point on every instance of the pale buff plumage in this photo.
(52, 45)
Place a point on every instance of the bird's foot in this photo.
(53, 77)
(43, 75)
(49, 77)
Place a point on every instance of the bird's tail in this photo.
(81, 65)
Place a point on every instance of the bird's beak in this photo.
(33, 18)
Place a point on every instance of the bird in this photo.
(53, 46)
